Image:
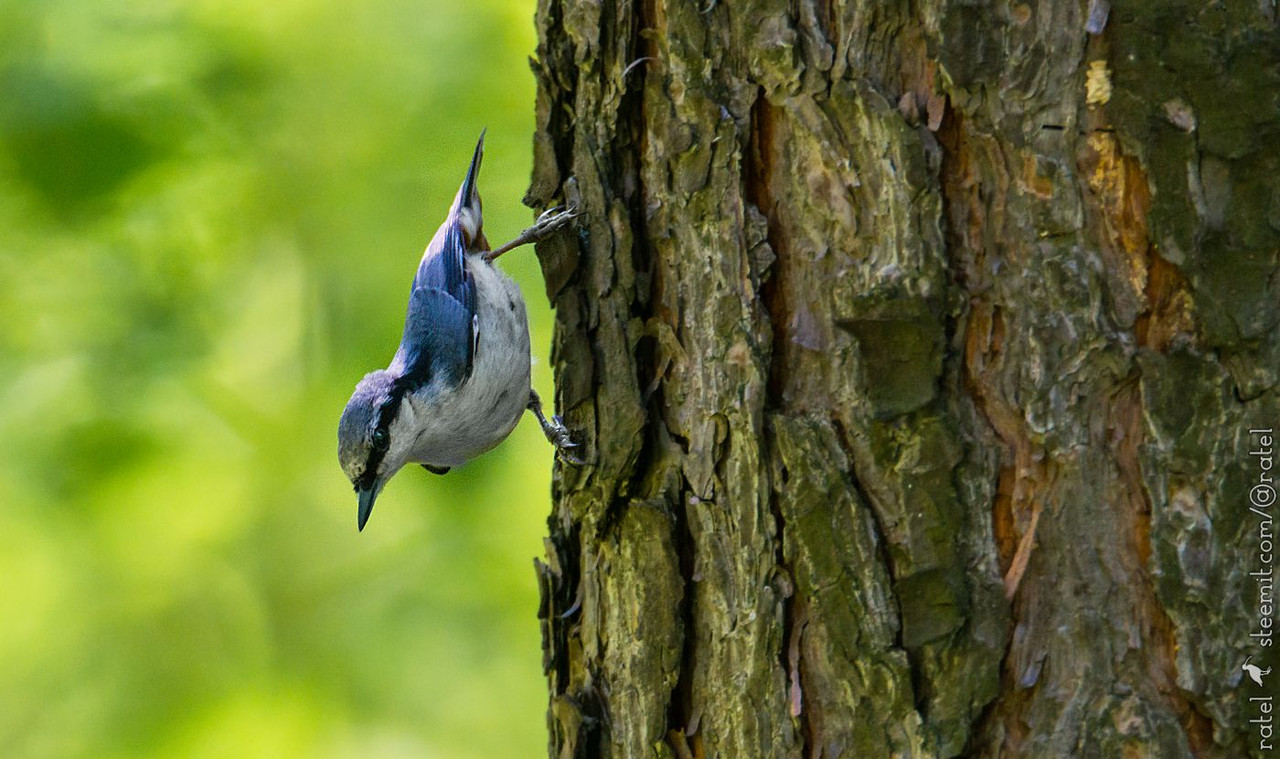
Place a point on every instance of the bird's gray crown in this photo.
(372, 407)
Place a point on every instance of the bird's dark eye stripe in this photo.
(381, 437)
(370, 473)
(376, 454)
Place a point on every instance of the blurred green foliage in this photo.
(209, 216)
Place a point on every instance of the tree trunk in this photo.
(914, 347)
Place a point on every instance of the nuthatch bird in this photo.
(460, 379)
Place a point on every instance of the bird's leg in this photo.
(548, 223)
(557, 434)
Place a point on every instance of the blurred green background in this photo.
(210, 213)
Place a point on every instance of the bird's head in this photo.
(366, 450)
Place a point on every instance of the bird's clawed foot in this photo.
(550, 222)
(555, 430)
(559, 436)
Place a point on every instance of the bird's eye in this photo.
(380, 438)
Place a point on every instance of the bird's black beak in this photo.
(367, 498)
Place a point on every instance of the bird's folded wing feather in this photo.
(438, 339)
(439, 329)
(443, 266)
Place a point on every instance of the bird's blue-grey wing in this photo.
(439, 339)
(443, 264)
(440, 334)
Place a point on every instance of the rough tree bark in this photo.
(915, 347)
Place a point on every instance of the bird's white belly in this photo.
(468, 420)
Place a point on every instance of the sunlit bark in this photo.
(915, 348)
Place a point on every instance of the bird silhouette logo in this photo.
(1255, 672)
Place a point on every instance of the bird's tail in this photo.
(466, 207)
